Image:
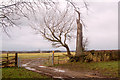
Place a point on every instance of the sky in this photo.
(102, 31)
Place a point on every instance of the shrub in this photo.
(97, 56)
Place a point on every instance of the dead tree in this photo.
(57, 27)
(80, 23)
(13, 10)
(79, 40)
(60, 28)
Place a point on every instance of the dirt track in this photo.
(56, 73)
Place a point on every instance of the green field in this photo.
(14, 72)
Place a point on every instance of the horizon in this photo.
(60, 50)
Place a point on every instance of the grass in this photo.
(107, 69)
(15, 72)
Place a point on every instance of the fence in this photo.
(9, 60)
(59, 59)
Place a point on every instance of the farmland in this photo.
(99, 68)
(35, 55)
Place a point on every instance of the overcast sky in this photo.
(102, 31)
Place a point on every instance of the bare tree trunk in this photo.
(79, 37)
(68, 50)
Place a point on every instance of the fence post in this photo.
(48, 59)
(16, 59)
(7, 60)
(53, 58)
(58, 59)
(18, 62)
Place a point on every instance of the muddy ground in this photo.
(37, 65)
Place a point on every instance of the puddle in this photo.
(58, 77)
(30, 68)
(25, 64)
(42, 66)
(57, 70)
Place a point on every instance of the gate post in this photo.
(7, 59)
(16, 59)
(53, 58)
(58, 59)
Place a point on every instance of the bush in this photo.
(97, 56)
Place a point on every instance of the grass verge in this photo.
(21, 73)
(106, 69)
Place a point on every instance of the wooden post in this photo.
(48, 59)
(7, 59)
(58, 59)
(53, 58)
(16, 59)
(18, 62)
